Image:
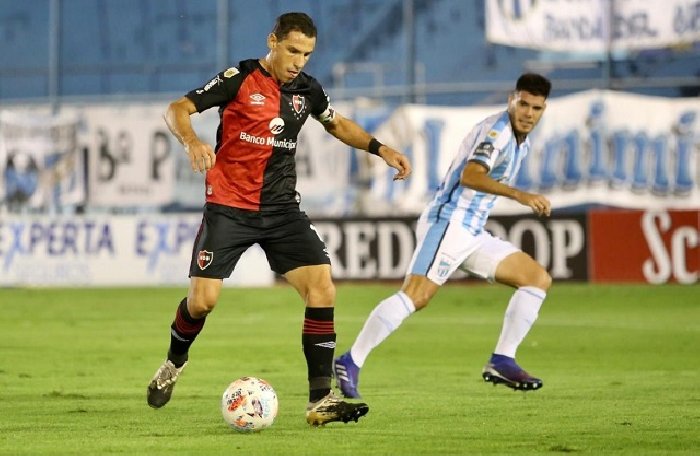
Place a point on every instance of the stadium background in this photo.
(98, 209)
(94, 190)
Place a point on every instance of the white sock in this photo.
(382, 321)
(520, 315)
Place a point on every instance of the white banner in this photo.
(41, 164)
(588, 26)
(323, 171)
(595, 147)
(110, 251)
(131, 156)
(135, 161)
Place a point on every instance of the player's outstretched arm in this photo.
(177, 117)
(476, 177)
(539, 204)
(396, 160)
(355, 136)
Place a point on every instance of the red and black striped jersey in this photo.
(257, 136)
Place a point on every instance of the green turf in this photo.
(620, 365)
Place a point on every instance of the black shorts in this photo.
(288, 239)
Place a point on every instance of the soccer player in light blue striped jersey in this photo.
(450, 234)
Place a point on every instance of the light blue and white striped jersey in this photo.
(492, 143)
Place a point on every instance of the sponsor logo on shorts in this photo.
(204, 259)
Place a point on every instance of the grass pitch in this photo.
(620, 366)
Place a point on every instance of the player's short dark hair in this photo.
(290, 22)
(534, 83)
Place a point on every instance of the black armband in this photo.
(374, 146)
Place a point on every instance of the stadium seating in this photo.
(151, 47)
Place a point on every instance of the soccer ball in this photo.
(249, 404)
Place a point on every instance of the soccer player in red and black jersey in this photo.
(251, 198)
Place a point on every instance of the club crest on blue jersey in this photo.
(443, 269)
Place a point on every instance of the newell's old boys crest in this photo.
(298, 103)
(204, 259)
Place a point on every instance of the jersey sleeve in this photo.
(321, 108)
(488, 145)
(220, 90)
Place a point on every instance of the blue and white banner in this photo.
(41, 162)
(595, 147)
(110, 251)
(588, 26)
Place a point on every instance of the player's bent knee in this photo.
(201, 307)
(202, 301)
(421, 303)
(540, 279)
(520, 270)
(420, 300)
(420, 290)
(322, 295)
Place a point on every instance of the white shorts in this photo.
(442, 247)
